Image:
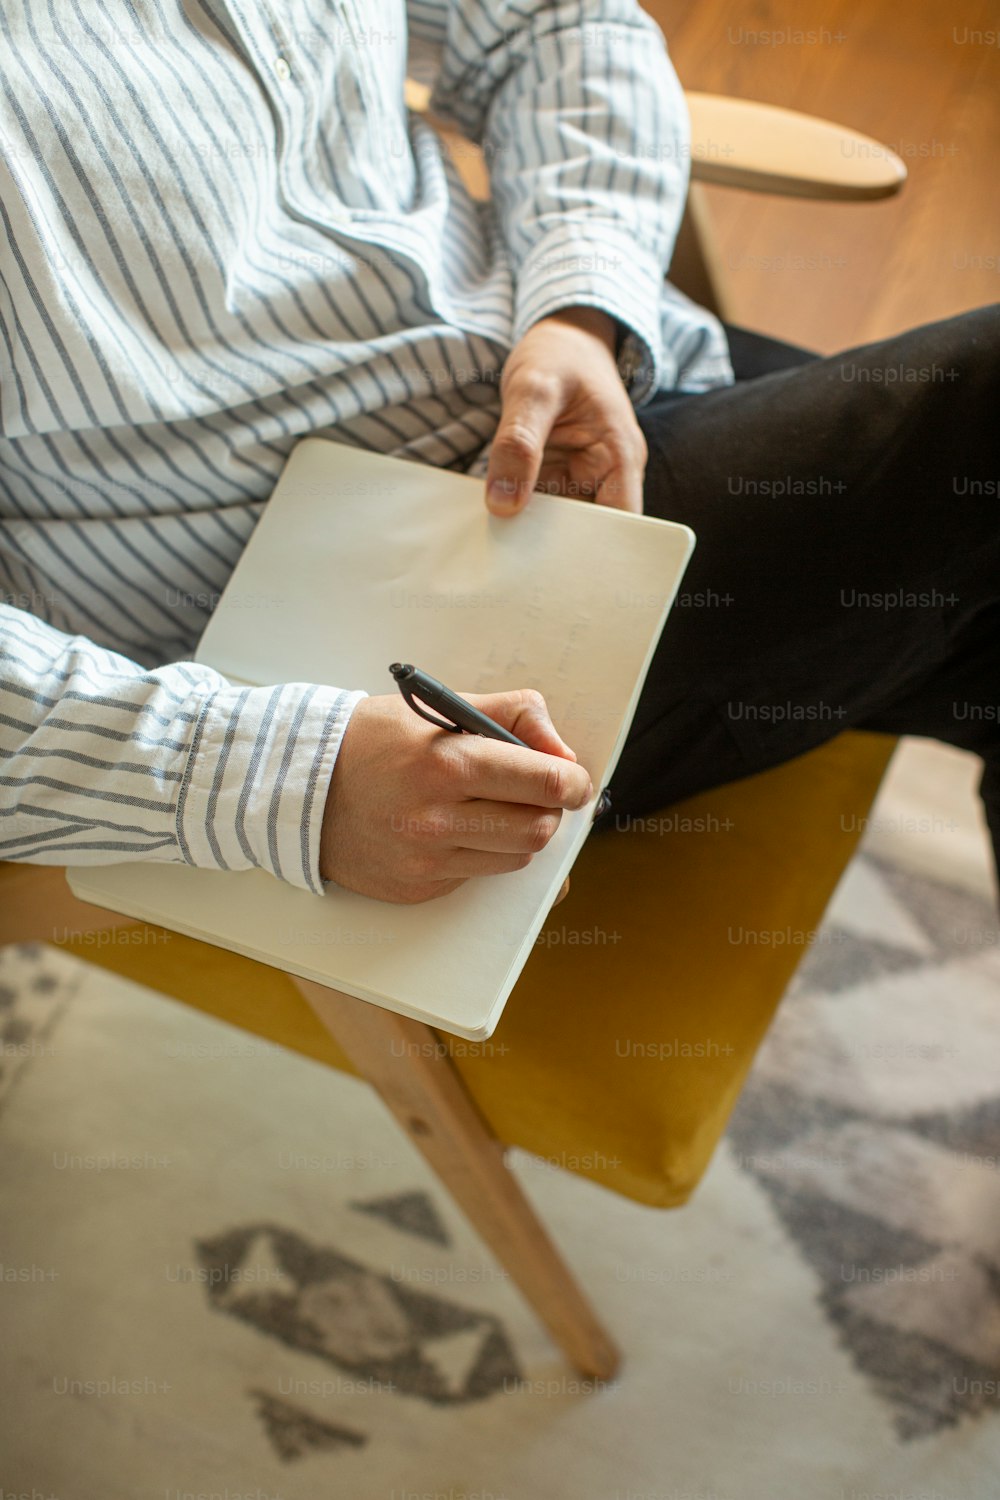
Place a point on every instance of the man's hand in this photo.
(414, 811)
(567, 425)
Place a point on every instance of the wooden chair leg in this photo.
(405, 1063)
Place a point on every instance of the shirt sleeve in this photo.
(585, 131)
(102, 760)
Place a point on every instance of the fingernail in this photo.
(501, 496)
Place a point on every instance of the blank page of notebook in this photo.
(360, 560)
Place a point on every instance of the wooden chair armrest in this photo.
(740, 143)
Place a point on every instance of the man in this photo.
(224, 232)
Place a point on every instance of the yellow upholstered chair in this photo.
(620, 1053)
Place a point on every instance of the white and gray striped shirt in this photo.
(222, 230)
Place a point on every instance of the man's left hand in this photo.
(567, 425)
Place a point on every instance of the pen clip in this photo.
(414, 703)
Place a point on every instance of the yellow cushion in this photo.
(626, 1057)
(628, 1036)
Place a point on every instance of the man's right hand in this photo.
(413, 811)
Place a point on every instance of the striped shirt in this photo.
(220, 230)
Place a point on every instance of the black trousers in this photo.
(847, 569)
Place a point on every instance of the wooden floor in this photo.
(920, 76)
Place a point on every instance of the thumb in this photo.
(516, 453)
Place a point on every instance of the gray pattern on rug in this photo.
(898, 1211)
(377, 1329)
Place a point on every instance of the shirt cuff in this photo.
(257, 775)
(593, 264)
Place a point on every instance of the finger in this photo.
(530, 407)
(525, 713)
(452, 871)
(463, 864)
(621, 488)
(498, 827)
(563, 892)
(414, 892)
(492, 771)
(554, 478)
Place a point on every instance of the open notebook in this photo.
(365, 560)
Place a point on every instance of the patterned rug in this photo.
(225, 1273)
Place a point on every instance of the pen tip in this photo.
(399, 669)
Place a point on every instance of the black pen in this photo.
(462, 718)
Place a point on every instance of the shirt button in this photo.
(282, 69)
